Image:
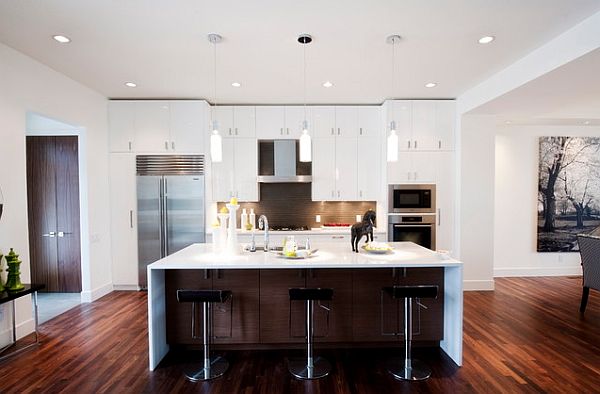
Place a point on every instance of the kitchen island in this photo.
(262, 311)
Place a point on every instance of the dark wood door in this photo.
(340, 316)
(275, 306)
(53, 212)
(239, 317)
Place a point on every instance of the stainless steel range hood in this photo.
(278, 163)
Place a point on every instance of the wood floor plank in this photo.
(527, 336)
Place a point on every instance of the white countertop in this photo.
(330, 255)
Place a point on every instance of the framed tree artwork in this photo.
(568, 192)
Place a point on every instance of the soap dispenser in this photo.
(244, 219)
(252, 218)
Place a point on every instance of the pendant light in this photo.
(216, 143)
(305, 140)
(392, 139)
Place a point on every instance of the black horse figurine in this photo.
(363, 228)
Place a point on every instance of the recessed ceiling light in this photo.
(586, 122)
(130, 84)
(236, 84)
(327, 84)
(430, 85)
(508, 122)
(486, 39)
(62, 39)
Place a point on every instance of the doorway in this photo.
(53, 212)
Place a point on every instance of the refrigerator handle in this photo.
(165, 216)
(162, 216)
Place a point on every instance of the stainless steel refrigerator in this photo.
(170, 206)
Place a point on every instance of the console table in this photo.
(11, 296)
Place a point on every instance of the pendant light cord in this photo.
(393, 76)
(214, 82)
(304, 61)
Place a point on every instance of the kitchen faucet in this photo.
(263, 223)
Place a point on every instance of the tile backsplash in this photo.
(290, 204)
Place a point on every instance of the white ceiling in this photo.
(162, 44)
(567, 95)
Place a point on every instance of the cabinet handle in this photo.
(166, 145)
(394, 273)
(173, 145)
(408, 144)
(337, 237)
(129, 145)
(206, 274)
(339, 131)
(288, 131)
(415, 178)
(360, 193)
(415, 144)
(281, 131)
(230, 131)
(439, 216)
(131, 219)
(360, 131)
(332, 132)
(408, 175)
(439, 144)
(338, 193)
(236, 131)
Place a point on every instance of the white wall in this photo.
(27, 85)
(515, 226)
(476, 204)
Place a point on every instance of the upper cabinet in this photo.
(422, 125)
(156, 126)
(323, 122)
(369, 121)
(346, 121)
(270, 122)
(235, 121)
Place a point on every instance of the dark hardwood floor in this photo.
(527, 336)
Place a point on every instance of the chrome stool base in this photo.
(418, 371)
(198, 373)
(300, 369)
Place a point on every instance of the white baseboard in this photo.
(126, 287)
(536, 271)
(98, 292)
(23, 329)
(475, 285)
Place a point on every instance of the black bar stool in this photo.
(309, 367)
(210, 368)
(407, 368)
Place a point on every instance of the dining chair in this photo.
(589, 249)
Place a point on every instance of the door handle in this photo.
(62, 234)
(51, 234)
(130, 218)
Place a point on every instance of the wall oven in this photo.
(419, 229)
(411, 198)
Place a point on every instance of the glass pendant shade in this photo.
(305, 146)
(392, 144)
(216, 146)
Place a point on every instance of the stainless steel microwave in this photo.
(411, 198)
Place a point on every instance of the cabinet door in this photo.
(401, 170)
(445, 121)
(244, 121)
(346, 166)
(424, 166)
(179, 314)
(223, 114)
(275, 306)
(367, 305)
(323, 125)
(188, 126)
(152, 126)
(223, 181)
(323, 169)
(369, 169)
(246, 169)
(239, 316)
(121, 125)
(270, 122)
(423, 125)
(445, 202)
(340, 316)
(346, 121)
(400, 111)
(369, 121)
(123, 221)
(294, 118)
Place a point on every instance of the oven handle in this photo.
(413, 225)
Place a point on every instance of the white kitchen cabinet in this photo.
(152, 126)
(445, 123)
(294, 118)
(445, 199)
(123, 221)
(323, 169)
(121, 120)
(346, 121)
(423, 125)
(244, 121)
(413, 167)
(236, 174)
(188, 126)
(346, 166)
(323, 122)
(370, 122)
(223, 114)
(369, 169)
(270, 122)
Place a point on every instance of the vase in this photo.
(13, 282)
(232, 243)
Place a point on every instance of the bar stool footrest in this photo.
(197, 372)
(419, 371)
